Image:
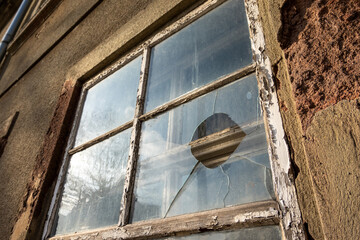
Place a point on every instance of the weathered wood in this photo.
(140, 98)
(248, 215)
(130, 174)
(278, 151)
(134, 142)
(200, 91)
(55, 203)
(184, 21)
(101, 138)
(235, 217)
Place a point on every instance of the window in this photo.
(171, 139)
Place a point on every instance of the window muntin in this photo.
(214, 45)
(109, 104)
(171, 181)
(233, 216)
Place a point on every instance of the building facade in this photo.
(248, 112)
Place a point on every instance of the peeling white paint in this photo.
(278, 149)
(147, 230)
(248, 217)
(135, 138)
(119, 233)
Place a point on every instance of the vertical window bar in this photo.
(278, 150)
(140, 99)
(134, 142)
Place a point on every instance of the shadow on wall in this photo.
(4, 65)
(6, 129)
(293, 21)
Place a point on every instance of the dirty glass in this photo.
(94, 185)
(110, 103)
(209, 153)
(257, 233)
(213, 46)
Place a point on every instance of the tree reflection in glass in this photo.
(94, 185)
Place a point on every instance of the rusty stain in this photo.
(30, 215)
(257, 214)
(327, 70)
(226, 218)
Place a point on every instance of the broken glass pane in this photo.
(206, 154)
(213, 46)
(110, 103)
(257, 233)
(94, 185)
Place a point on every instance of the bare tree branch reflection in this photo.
(94, 183)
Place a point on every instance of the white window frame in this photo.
(284, 211)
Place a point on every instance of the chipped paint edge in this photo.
(265, 213)
(278, 149)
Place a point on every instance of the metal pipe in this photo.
(10, 33)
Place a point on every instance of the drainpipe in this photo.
(10, 33)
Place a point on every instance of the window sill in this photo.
(235, 217)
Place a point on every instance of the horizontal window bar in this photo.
(235, 217)
(101, 137)
(200, 91)
(172, 104)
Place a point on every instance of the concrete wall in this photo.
(313, 46)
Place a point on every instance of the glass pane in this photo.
(257, 233)
(206, 154)
(110, 103)
(214, 45)
(94, 185)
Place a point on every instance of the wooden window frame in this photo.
(284, 211)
